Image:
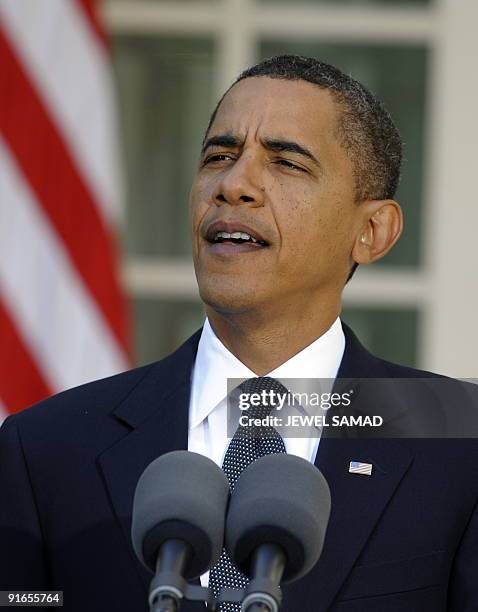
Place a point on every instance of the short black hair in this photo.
(366, 129)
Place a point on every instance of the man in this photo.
(294, 189)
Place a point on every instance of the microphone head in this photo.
(279, 499)
(180, 495)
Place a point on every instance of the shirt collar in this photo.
(215, 364)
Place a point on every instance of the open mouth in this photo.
(236, 238)
(227, 238)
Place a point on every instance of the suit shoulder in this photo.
(456, 398)
(358, 362)
(396, 370)
(100, 396)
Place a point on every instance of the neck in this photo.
(264, 341)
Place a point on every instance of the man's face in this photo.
(273, 169)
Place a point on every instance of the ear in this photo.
(381, 224)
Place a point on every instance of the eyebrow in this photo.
(278, 145)
(224, 140)
(288, 146)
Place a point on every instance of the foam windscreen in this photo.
(181, 495)
(279, 499)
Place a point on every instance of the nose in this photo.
(241, 184)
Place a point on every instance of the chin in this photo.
(224, 301)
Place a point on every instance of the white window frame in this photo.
(445, 288)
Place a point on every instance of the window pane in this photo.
(357, 2)
(165, 88)
(397, 76)
(388, 333)
(161, 326)
(206, 2)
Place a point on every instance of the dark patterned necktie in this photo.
(248, 444)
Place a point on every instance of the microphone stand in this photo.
(165, 604)
(263, 593)
(168, 588)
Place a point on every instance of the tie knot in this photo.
(262, 395)
(262, 383)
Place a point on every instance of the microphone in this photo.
(178, 521)
(276, 524)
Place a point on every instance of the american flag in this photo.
(63, 315)
(357, 467)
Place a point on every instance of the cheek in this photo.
(315, 228)
(300, 214)
(199, 199)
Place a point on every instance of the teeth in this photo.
(236, 235)
(247, 237)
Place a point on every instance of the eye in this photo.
(217, 157)
(288, 164)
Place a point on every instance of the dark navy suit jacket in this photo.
(403, 539)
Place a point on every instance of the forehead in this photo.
(278, 107)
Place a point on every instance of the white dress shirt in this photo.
(215, 364)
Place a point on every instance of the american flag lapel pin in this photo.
(357, 467)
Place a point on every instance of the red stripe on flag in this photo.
(21, 383)
(90, 8)
(50, 170)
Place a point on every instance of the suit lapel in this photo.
(358, 500)
(156, 415)
(357, 503)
